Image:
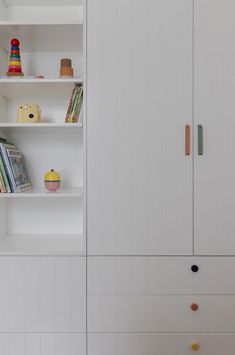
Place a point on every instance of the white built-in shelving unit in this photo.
(38, 222)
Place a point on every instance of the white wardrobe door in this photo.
(215, 111)
(139, 101)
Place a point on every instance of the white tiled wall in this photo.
(42, 305)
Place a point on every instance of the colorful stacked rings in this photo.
(14, 67)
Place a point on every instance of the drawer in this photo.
(158, 313)
(160, 344)
(161, 275)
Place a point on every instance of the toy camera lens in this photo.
(31, 115)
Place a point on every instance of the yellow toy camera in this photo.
(29, 113)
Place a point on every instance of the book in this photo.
(75, 105)
(4, 175)
(7, 166)
(19, 170)
(2, 185)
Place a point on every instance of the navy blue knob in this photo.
(194, 268)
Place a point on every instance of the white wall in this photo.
(2, 10)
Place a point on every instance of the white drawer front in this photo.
(160, 275)
(160, 344)
(155, 313)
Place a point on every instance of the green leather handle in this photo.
(200, 139)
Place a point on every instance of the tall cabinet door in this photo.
(215, 116)
(139, 101)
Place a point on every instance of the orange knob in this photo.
(195, 346)
(194, 307)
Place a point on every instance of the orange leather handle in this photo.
(187, 139)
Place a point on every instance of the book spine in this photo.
(4, 175)
(8, 168)
(75, 104)
(75, 117)
(70, 106)
(2, 185)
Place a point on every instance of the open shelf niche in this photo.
(45, 11)
(38, 222)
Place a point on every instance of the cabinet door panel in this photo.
(215, 111)
(139, 100)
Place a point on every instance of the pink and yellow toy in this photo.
(52, 180)
(14, 67)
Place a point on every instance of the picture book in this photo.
(19, 171)
(75, 105)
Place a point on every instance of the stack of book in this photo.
(13, 172)
(75, 105)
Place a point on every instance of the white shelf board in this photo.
(12, 80)
(65, 192)
(37, 88)
(39, 22)
(44, 2)
(42, 127)
(43, 37)
(44, 244)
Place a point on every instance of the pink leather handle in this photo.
(187, 139)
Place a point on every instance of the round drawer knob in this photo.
(195, 346)
(194, 268)
(194, 307)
